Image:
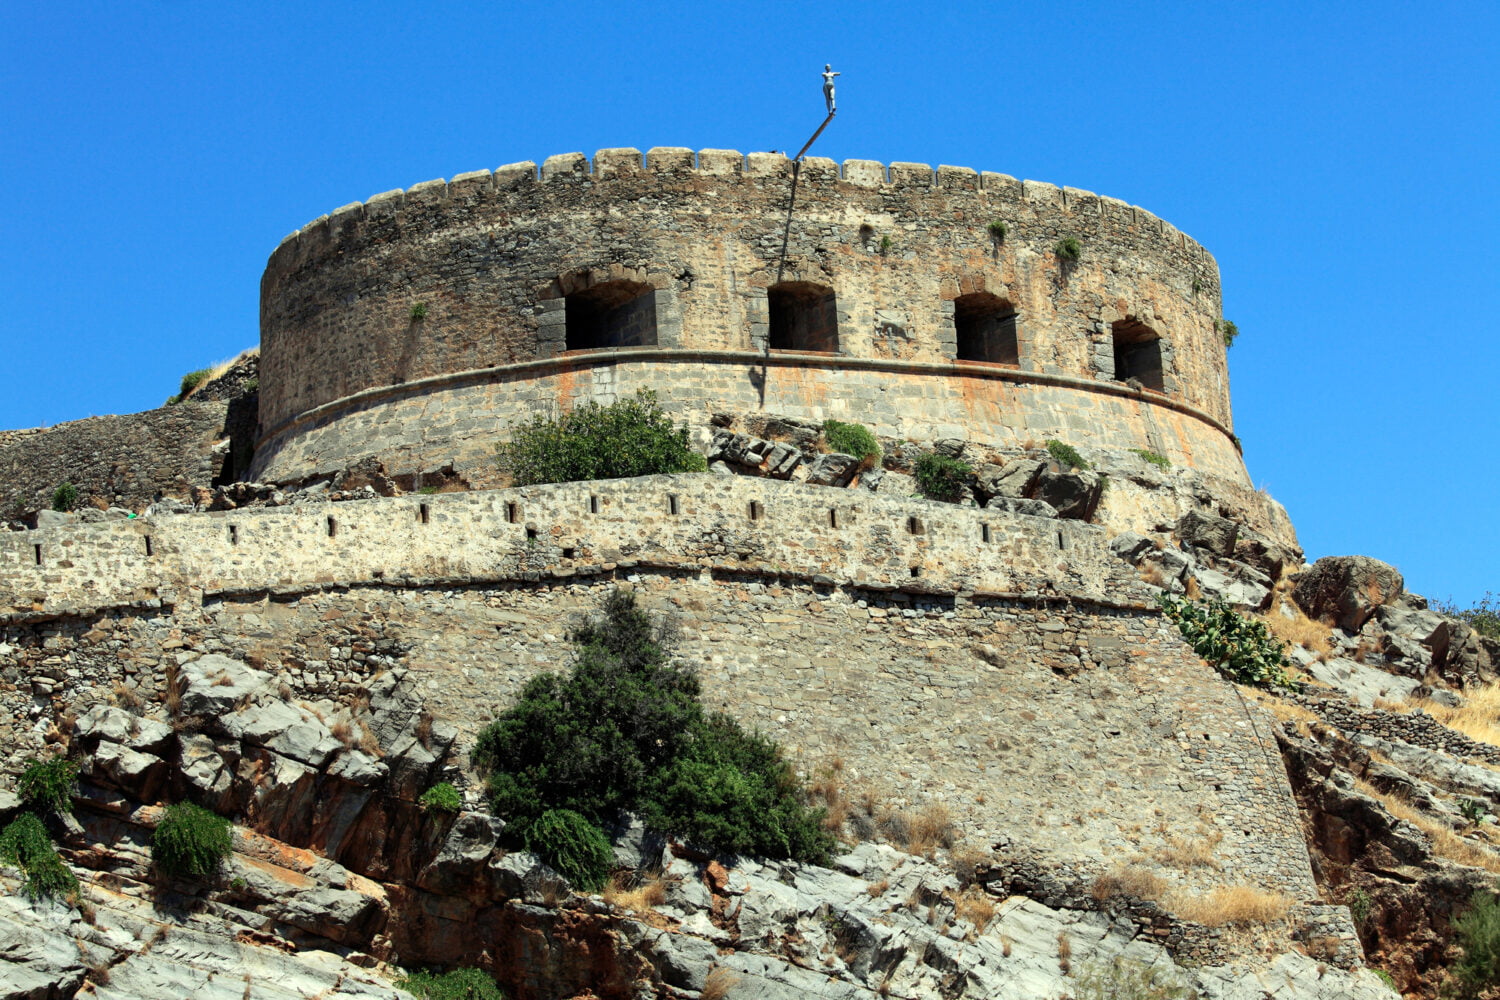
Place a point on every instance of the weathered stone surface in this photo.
(214, 685)
(1016, 479)
(1130, 546)
(832, 469)
(1216, 535)
(1346, 590)
(1031, 508)
(1073, 493)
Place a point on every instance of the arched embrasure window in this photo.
(804, 317)
(611, 314)
(1137, 353)
(986, 328)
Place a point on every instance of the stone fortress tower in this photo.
(925, 304)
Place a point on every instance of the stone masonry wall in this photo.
(1029, 687)
(491, 255)
(127, 460)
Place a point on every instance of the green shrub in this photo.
(1068, 249)
(998, 229)
(65, 497)
(1478, 933)
(940, 477)
(1128, 979)
(191, 381)
(631, 437)
(191, 841)
(252, 384)
(850, 439)
(886, 243)
(1160, 461)
(1472, 810)
(24, 845)
(419, 312)
(1229, 331)
(1385, 977)
(443, 797)
(624, 730)
(1066, 454)
(1359, 903)
(1242, 649)
(459, 984)
(48, 784)
(1483, 617)
(572, 845)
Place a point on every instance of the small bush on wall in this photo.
(850, 439)
(1242, 649)
(940, 477)
(65, 498)
(1066, 454)
(191, 841)
(24, 845)
(48, 784)
(630, 437)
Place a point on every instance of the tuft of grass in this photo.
(1129, 880)
(441, 797)
(975, 906)
(718, 983)
(1445, 843)
(1068, 249)
(418, 312)
(1478, 717)
(997, 229)
(886, 243)
(1228, 331)
(641, 898)
(1066, 454)
(1160, 461)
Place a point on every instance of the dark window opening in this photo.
(513, 512)
(333, 527)
(422, 512)
(833, 518)
(913, 526)
(984, 533)
(593, 505)
(531, 534)
(672, 504)
(804, 317)
(234, 534)
(1138, 354)
(612, 314)
(148, 546)
(36, 551)
(916, 571)
(756, 510)
(986, 326)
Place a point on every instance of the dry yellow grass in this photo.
(639, 899)
(1196, 851)
(1477, 718)
(1237, 904)
(1445, 843)
(718, 983)
(220, 367)
(1129, 880)
(975, 906)
(930, 828)
(1287, 622)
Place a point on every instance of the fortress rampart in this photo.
(417, 325)
(1007, 666)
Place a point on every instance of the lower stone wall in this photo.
(459, 419)
(1089, 734)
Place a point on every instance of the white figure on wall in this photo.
(828, 75)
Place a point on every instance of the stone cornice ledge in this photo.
(589, 359)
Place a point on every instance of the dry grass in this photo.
(975, 906)
(218, 368)
(173, 698)
(1477, 718)
(641, 898)
(718, 983)
(368, 742)
(1287, 622)
(1151, 572)
(343, 731)
(929, 829)
(1190, 588)
(966, 860)
(1445, 843)
(126, 696)
(1196, 851)
(424, 729)
(1064, 953)
(1237, 904)
(1129, 880)
(878, 889)
(827, 790)
(1283, 710)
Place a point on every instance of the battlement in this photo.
(732, 164)
(692, 523)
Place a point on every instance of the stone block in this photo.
(864, 173)
(668, 158)
(911, 175)
(565, 166)
(957, 178)
(514, 174)
(721, 162)
(768, 165)
(615, 162)
(1041, 193)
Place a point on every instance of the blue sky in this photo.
(1339, 160)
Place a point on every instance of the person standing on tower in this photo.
(828, 75)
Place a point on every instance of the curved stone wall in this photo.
(415, 326)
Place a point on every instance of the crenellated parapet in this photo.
(923, 302)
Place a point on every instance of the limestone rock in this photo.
(1012, 505)
(1213, 534)
(832, 469)
(214, 685)
(1074, 493)
(1347, 589)
(1130, 546)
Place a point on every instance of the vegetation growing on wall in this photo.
(191, 841)
(441, 797)
(1158, 460)
(65, 497)
(630, 437)
(47, 785)
(1068, 249)
(458, 984)
(1483, 617)
(940, 477)
(1066, 454)
(25, 845)
(850, 439)
(1242, 649)
(624, 729)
